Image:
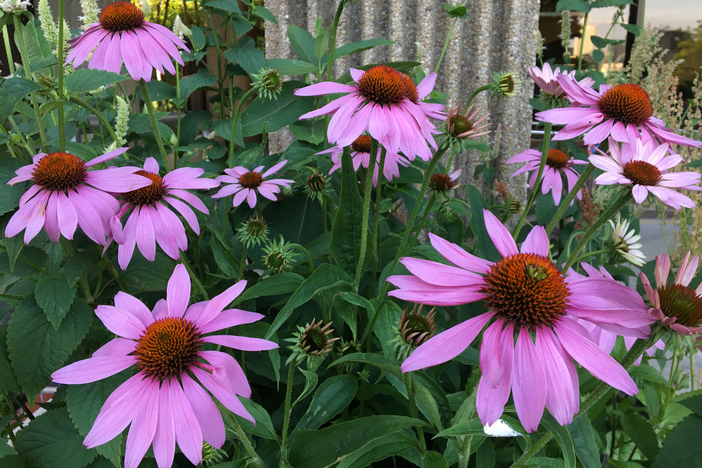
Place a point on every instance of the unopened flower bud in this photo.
(268, 83)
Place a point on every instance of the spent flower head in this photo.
(311, 343)
(443, 183)
(268, 83)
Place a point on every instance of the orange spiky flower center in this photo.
(557, 159)
(527, 290)
(682, 303)
(168, 347)
(147, 195)
(362, 144)
(121, 16)
(627, 103)
(384, 85)
(251, 180)
(642, 173)
(60, 171)
(441, 183)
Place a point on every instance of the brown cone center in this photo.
(642, 173)
(251, 180)
(557, 159)
(121, 16)
(168, 347)
(682, 303)
(626, 103)
(147, 195)
(384, 85)
(60, 171)
(362, 144)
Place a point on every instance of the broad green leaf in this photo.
(245, 53)
(682, 448)
(311, 379)
(55, 296)
(158, 91)
(264, 426)
(321, 448)
(632, 28)
(641, 433)
(434, 459)
(149, 276)
(51, 440)
(38, 48)
(609, 3)
(326, 276)
(9, 194)
(477, 224)
(379, 449)
(287, 67)
(13, 91)
(5, 449)
(346, 231)
(648, 373)
(202, 79)
(545, 462)
(275, 113)
(333, 396)
(224, 257)
(576, 5)
(77, 264)
(373, 359)
(693, 403)
(360, 301)
(597, 56)
(231, 6)
(7, 375)
(485, 456)
(583, 437)
(84, 403)
(90, 79)
(474, 427)
(562, 436)
(197, 38)
(302, 43)
(264, 13)
(425, 402)
(36, 348)
(438, 395)
(274, 285)
(311, 131)
(456, 11)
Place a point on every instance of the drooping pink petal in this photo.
(559, 385)
(227, 372)
(178, 292)
(143, 428)
(528, 382)
(164, 439)
(187, 428)
(206, 411)
(228, 399)
(490, 358)
(244, 343)
(490, 402)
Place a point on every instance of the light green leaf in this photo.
(264, 13)
(474, 427)
(55, 296)
(682, 448)
(90, 79)
(648, 373)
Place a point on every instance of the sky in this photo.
(671, 14)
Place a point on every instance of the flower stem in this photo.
(367, 193)
(8, 50)
(539, 175)
(446, 43)
(232, 145)
(193, 276)
(378, 196)
(97, 114)
(242, 436)
(242, 263)
(582, 41)
(288, 410)
(175, 151)
(634, 353)
(61, 120)
(604, 217)
(476, 92)
(427, 210)
(154, 123)
(300, 248)
(569, 198)
(332, 48)
(113, 271)
(413, 410)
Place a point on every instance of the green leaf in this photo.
(321, 448)
(562, 436)
(51, 440)
(38, 48)
(77, 264)
(597, 56)
(241, 25)
(302, 43)
(9, 194)
(311, 380)
(197, 39)
(434, 459)
(477, 224)
(36, 348)
(426, 389)
(599, 42)
(275, 285)
(5, 448)
(264, 13)
(474, 427)
(55, 296)
(321, 43)
(641, 433)
(13, 91)
(333, 396)
(360, 46)
(632, 28)
(245, 53)
(485, 456)
(84, 403)
(374, 359)
(312, 131)
(609, 3)
(231, 6)
(583, 437)
(695, 163)
(576, 5)
(648, 373)
(456, 11)
(346, 231)
(264, 426)
(149, 276)
(326, 276)
(7, 375)
(545, 462)
(693, 403)
(682, 448)
(379, 449)
(287, 67)
(225, 259)
(202, 79)
(90, 79)
(159, 91)
(275, 113)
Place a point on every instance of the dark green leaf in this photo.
(361, 46)
(485, 456)
(38, 48)
(436, 393)
(545, 462)
(245, 53)
(36, 348)
(597, 55)
(562, 436)
(231, 6)
(311, 380)
(379, 449)
(7, 375)
(77, 264)
(241, 25)
(275, 113)
(433, 459)
(264, 13)
(599, 42)
(641, 433)
(312, 131)
(609, 3)
(302, 43)
(369, 358)
(693, 403)
(202, 79)
(264, 426)
(456, 11)
(159, 91)
(149, 276)
(282, 283)
(5, 449)
(477, 224)
(51, 440)
(474, 427)
(583, 437)
(332, 397)
(55, 296)
(9, 194)
(326, 276)
(695, 163)
(90, 79)
(287, 67)
(197, 39)
(224, 257)
(576, 5)
(346, 231)
(13, 91)
(648, 373)
(321, 448)
(632, 28)
(682, 448)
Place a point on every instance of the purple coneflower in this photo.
(244, 184)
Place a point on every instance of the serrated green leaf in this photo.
(321, 448)
(202, 79)
(55, 296)
(90, 79)
(13, 91)
(149, 276)
(7, 375)
(275, 113)
(51, 440)
(9, 194)
(641, 432)
(332, 397)
(282, 283)
(346, 231)
(682, 448)
(197, 38)
(379, 449)
(648, 373)
(38, 48)
(36, 348)
(583, 437)
(562, 436)
(227, 5)
(245, 53)
(77, 264)
(575, 5)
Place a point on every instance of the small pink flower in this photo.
(525, 295)
(122, 35)
(676, 304)
(547, 79)
(151, 220)
(384, 102)
(163, 402)
(244, 184)
(645, 166)
(624, 112)
(66, 195)
(360, 156)
(557, 164)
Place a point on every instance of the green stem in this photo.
(220, 79)
(378, 195)
(476, 92)
(332, 48)
(413, 410)
(242, 263)
(61, 120)
(591, 254)
(452, 153)
(96, 113)
(427, 210)
(232, 145)
(634, 353)
(367, 194)
(539, 175)
(306, 252)
(582, 41)
(692, 371)
(8, 50)
(154, 123)
(604, 217)
(242, 436)
(443, 51)
(113, 271)
(569, 198)
(193, 276)
(288, 410)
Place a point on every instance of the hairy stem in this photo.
(154, 123)
(367, 193)
(569, 198)
(539, 175)
(288, 410)
(232, 145)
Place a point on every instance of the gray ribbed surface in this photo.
(497, 35)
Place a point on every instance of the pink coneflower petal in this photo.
(557, 377)
(228, 372)
(490, 358)
(490, 402)
(164, 439)
(206, 411)
(120, 322)
(143, 428)
(528, 382)
(500, 236)
(229, 400)
(230, 318)
(187, 427)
